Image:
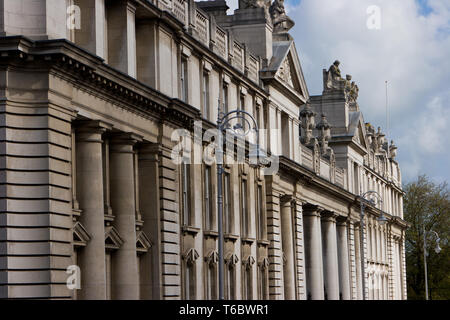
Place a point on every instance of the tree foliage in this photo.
(427, 204)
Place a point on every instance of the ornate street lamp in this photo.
(437, 249)
(373, 198)
(244, 119)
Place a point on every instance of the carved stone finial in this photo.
(307, 122)
(324, 134)
(281, 22)
(392, 150)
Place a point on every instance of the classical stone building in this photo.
(91, 93)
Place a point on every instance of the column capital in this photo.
(286, 199)
(123, 142)
(312, 209)
(342, 220)
(299, 201)
(328, 215)
(149, 151)
(90, 130)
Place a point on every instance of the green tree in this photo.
(427, 204)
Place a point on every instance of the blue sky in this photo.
(411, 51)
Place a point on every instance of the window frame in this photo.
(245, 218)
(184, 79)
(225, 98)
(260, 212)
(227, 203)
(186, 194)
(205, 94)
(208, 198)
(230, 282)
(189, 290)
(247, 282)
(211, 281)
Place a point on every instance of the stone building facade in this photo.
(92, 92)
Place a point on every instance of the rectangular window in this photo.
(186, 193)
(242, 107)
(257, 115)
(211, 283)
(247, 284)
(262, 283)
(355, 176)
(244, 209)
(285, 145)
(227, 203)
(209, 219)
(189, 281)
(260, 212)
(230, 283)
(108, 274)
(183, 80)
(225, 98)
(205, 95)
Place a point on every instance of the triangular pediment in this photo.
(80, 236)
(212, 257)
(112, 238)
(190, 255)
(285, 72)
(143, 243)
(285, 67)
(231, 259)
(360, 135)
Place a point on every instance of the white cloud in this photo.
(411, 51)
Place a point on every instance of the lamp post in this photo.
(223, 120)
(437, 249)
(382, 219)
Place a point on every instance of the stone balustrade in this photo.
(326, 170)
(204, 29)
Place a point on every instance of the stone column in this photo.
(352, 259)
(148, 164)
(343, 258)
(313, 252)
(125, 283)
(330, 255)
(90, 197)
(358, 261)
(288, 249)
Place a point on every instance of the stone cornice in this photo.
(87, 71)
(299, 172)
